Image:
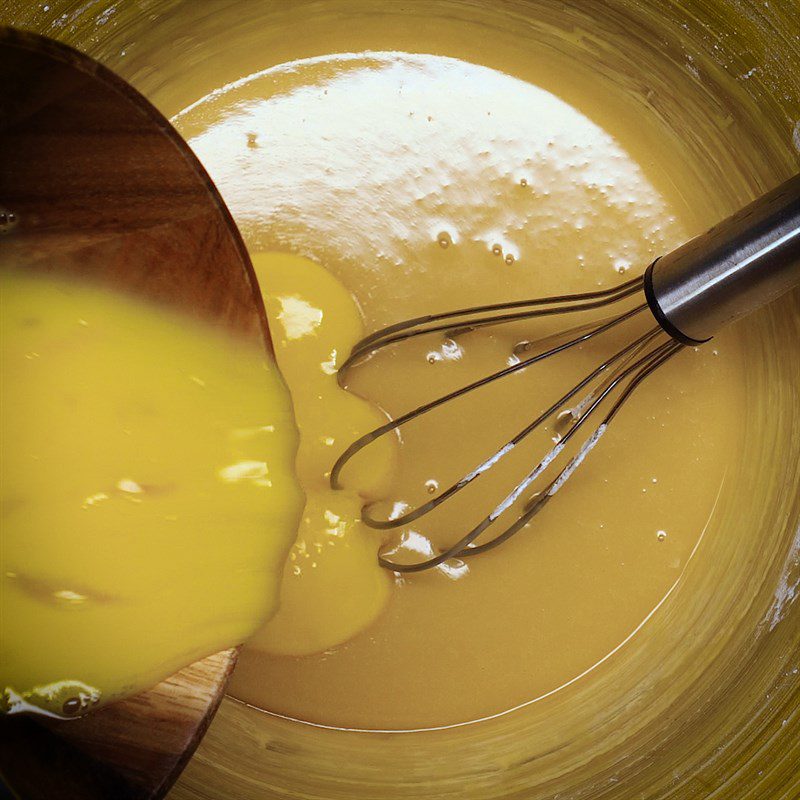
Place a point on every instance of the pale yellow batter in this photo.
(426, 183)
(376, 186)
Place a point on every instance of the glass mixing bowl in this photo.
(708, 704)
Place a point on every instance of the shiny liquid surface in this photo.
(426, 183)
(332, 585)
(135, 443)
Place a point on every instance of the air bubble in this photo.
(444, 239)
(497, 250)
(661, 535)
(564, 419)
(432, 486)
(72, 706)
(509, 259)
(251, 140)
(523, 182)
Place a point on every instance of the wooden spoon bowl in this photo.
(95, 182)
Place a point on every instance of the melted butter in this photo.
(332, 584)
(425, 183)
(136, 446)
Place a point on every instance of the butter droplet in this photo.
(255, 472)
(69, 596)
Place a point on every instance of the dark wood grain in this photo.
(94, 182)
(128, 750)
(101, 185)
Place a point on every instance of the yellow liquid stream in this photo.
(332, 584)
(137, 445)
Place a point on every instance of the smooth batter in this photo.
(424, 183)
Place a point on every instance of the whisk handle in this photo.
(742, 263)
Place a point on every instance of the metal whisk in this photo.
(739, 265)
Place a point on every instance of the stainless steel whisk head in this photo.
(744, 262)
(612, 382)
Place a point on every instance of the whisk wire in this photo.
(394, 424)
(564, 304)
(487, 464)
(464, 547)
(653, 361)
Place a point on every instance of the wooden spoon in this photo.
(95, 182)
